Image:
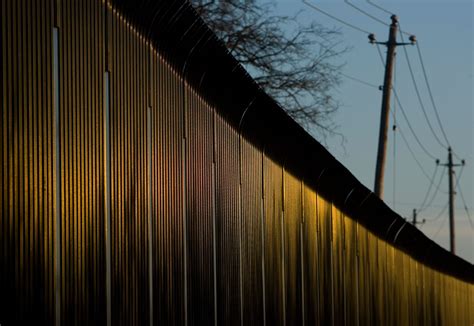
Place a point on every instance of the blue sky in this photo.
(444, 30)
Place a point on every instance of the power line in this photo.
(462, 197)
(418, 94)
(441, 177)
(336, 18)
(380, 8)
(442, 224)
(414, 156)
(405, 115)
(439, 214)
(456, 155)
(360, 81)
(410, 127)
(420, 208)
(430, 93)
(375, 18)
(459, 175)
(411, 204)
(366, 13)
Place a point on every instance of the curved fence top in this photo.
(183, 39)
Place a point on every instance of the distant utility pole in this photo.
(414, 221)
(387, 89)
(450, 165)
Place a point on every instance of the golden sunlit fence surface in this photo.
(146, 180)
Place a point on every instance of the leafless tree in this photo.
(294, 62)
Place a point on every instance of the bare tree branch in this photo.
(295, 63)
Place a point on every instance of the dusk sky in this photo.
(444, 30)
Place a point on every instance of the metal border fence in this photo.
(146, 179)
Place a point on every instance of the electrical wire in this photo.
(414, 156)
(456, 155)
(336, 18)
(459, 176)
(433, 177)
(442, 224)
(405, 115)
(380, 8)
(360, 81)
(412, 204)
(458, 187)
(411, 128)
(441, 178)
(439, 214)
(430, 93)
(412, 75)
(366, 13)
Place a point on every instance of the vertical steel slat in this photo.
(57, 247)
(261, 181)
(150, 203)
(128, 138)
(310, 256)
(199, 209)
(184, 176)
(324, 224)
(107, 190)
(214, 212)
(273, 206)
(292, 250)
(251, 230)
(283, 248)
(228, 244)
(168, 275)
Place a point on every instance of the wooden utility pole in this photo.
(414, 221)
(452, 237)
(387, 90)
(451, 165)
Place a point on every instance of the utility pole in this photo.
(451, 165)
(387, 90)
(414, 221)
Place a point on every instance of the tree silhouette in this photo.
(293, 62)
